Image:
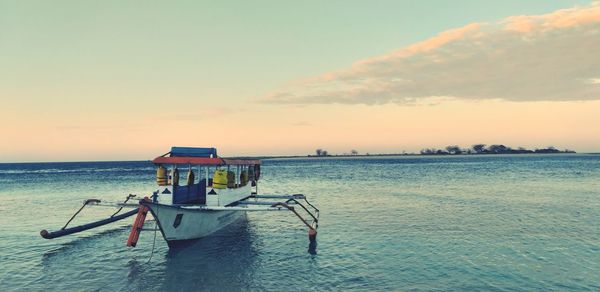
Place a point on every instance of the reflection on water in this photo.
(213, 261)
(312, 247)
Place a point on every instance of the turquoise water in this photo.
(393, 223)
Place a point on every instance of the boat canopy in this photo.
(199, 156)
(193, 152)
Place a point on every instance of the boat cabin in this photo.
(198, 176)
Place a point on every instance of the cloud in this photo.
(301, 124)
(202, 113)
(552, 57)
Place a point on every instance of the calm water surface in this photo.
(394, 223)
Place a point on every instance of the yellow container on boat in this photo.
(231, 179)
(161, 176)
(220, 179)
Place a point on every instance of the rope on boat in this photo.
(154, 240)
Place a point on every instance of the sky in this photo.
(126, 80)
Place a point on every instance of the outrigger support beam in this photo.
(292, 200)
(294, 211)
(85, 203)
(49, 235)
(271, 203)
(287, 197)
(123, 204)
(66, 231)
(316, 219)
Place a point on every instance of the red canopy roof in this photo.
(204, 161)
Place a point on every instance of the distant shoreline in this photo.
(400, 154)
(476, 149)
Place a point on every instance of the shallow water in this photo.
(527, 222)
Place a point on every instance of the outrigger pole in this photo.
(62, 232)
(66, 231)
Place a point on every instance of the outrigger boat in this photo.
(225, 190)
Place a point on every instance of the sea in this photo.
(401, 223)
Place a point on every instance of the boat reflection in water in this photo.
(224, 261)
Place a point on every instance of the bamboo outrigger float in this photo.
(224, 191)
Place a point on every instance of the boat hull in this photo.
(179, 225)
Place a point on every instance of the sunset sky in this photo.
(116, 80)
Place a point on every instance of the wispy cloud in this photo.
(301, 124)
(187, 115)
(521, 58)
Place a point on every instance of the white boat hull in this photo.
(178, 225)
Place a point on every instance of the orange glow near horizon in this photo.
(298, 130)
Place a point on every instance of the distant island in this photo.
(477, 149)
(492, 149)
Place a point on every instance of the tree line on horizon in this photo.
(457, 150)
(491, 149)
(322, 152)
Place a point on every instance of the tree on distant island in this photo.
(454, 149)
(478, 148)
(427, 151)
(353, 152)
(321, 152)
(498, 149)
(492, 149)
(549, 149)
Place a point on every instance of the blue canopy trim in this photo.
(193, 152)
